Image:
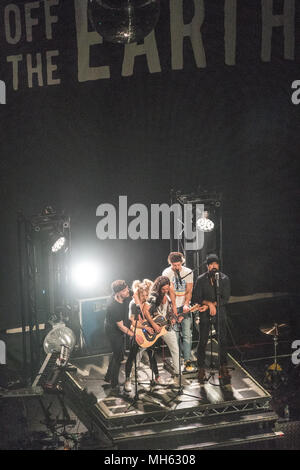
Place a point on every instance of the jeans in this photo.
(170, 339)
(184, 333)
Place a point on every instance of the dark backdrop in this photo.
(229, 128)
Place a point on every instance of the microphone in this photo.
(131, 292)
(152, 301)
(179, 277)
(217, 277)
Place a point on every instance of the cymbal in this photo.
(273, 330)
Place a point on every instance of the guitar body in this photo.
(144, 338)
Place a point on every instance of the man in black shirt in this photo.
(205, 293)
(116, 315)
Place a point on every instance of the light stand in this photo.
(188, 206)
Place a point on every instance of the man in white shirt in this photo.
(181, 290)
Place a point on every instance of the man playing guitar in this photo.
(181, 289)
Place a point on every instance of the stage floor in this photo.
(244, 390)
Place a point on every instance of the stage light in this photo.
(60, 339)
(86, 275)
(59, 336)
(205, 224)
(58, 244)
(52, 227)
(123, 21)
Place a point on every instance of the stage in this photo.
(169, 417)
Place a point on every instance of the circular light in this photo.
(124, 21)
(59, 336)
(85, 275)
(205, 225)
(60, 242)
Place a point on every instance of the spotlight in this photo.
(85, 275)
(59, 336)
(205, 224)
(123, 21)
(60, 340)
(52, 227)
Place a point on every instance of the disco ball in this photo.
(123, 21)
(58, 336)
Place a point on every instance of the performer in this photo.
(137, 315)
(159, 303)
(181, 289)
(115, 328)
(205, 293)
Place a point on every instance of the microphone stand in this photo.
(211, 364)
(136, 397)
(217, 286)
(180, 386)
(136, 394)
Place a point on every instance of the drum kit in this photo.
(274, 374)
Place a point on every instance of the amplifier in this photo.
(91, 317)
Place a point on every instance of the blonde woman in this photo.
(137, 315)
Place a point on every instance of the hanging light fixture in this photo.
(204, 224)
(124, 21)
(58, 241)
(53, 227)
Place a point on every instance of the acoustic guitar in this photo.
(145, 339)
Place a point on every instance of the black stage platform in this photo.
(196, 417)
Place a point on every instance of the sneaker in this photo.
(224, 372)
(159, 381)
(188, 366)
(127, 386)
(115, 391)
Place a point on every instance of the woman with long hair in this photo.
(159, 303)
